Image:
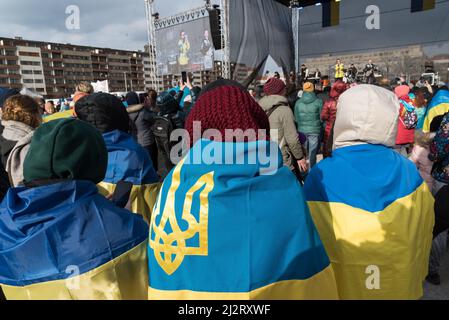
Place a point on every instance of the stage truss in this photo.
(149, 9)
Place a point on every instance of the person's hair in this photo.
(420, 100)
(424, 139)
(152, 96)
(436, 123)
(40, 100)
(85, 87)
(24, 109)
(50, 102)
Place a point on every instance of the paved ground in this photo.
(441, 292)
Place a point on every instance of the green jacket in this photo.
(283, 121)
(308, 112)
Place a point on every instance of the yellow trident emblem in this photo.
(170, 248)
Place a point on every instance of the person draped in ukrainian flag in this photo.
(372, 209)
(59, 238)
(127, 160)
(230, 221)
(437, 108)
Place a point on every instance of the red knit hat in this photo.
(228, 107)
(274, 86)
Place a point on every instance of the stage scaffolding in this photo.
(151, 29)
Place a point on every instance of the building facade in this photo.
(53, 70)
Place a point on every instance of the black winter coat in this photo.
(143, 120)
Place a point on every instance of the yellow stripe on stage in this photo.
(396, 242)
(319, 287)
(439, 110)
(124, 278)
(143, 198)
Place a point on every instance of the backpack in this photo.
(409, 117)
(162, 128)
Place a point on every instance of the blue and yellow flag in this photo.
(66, 242)
(437, 107)
(221, 230)
(422, 5)
(128, 161)
(331, 13)
(375, 216)
(59, 115)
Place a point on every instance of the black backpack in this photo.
(162, 129)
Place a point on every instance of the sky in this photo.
(103, 23)
(114, 24)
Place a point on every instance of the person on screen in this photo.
(207, 51)
(184, 48)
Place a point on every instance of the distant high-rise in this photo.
(53, 69)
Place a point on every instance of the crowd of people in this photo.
(302, 229)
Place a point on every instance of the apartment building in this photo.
(54, 69)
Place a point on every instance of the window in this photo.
(30, 63)
(29, 54)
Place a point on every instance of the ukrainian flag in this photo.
(59, 115)
(331, 13)
(439, 106)
(128, 161)
(375, 216)
(66, 242)
(422, 5)
(221, 230)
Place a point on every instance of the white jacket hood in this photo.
(366, 114)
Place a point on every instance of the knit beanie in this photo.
(308, 87)
(132, 98)
(167, 104)
(402, 91)
(274, 86)
(104, 111)
(228, 107)
(221, 83)
(66, 149)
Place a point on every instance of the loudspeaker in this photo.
(215, 27)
